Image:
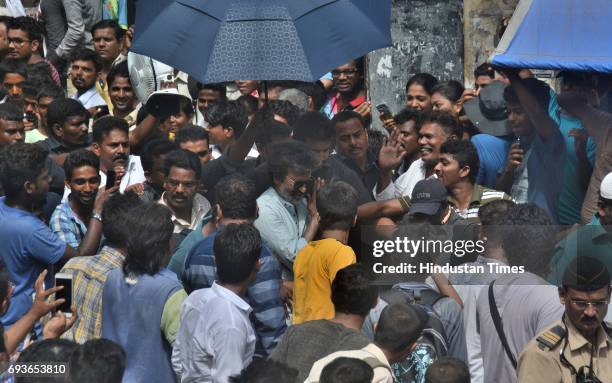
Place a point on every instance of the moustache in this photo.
(120, 157)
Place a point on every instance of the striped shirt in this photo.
(480, 197)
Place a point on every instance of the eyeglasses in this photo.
(582, 305)
(18, 42)
(346, 72)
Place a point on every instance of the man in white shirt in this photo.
(215, 339)
(84, 69)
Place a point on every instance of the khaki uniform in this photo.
(540, 360)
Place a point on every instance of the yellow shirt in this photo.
(314, 270)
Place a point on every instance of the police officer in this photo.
(577, 348)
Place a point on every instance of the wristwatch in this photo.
(97, 216)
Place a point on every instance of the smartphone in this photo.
(385, 112)
(64, 279)
(111, 177)
(102, 111)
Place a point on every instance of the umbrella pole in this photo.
(265, 86)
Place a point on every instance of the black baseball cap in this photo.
(427, 197)
(488, 111)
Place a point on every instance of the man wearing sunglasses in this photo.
(577, 348)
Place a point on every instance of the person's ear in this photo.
(67, 183)
(58, 131)
(35, 45)
(464, 171)
(601, 210)
(229, 132)
(30, 187)
(562, 295)
(95, 147)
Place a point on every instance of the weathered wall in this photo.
(482, 20)
(427, 37)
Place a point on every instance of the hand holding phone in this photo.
(111, 177)
(385, 112)
(64, 279)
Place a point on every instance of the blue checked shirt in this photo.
(65, 223)
(263, 295)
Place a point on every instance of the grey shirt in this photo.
(81, 15)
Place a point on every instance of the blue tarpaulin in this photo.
(558, 34)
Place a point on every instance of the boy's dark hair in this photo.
(274, 131)
(228, 114)
(105, 125)
(237, 249)
(249, 103)
(148, 240)
(484, 70)
(116, 208)
(183, 159)
(286, 110)
(490, 216)
(29, 25)
(266, 371)
(347, 115)
(464, 152)
(451, 90)
(20, 163)
(80, 158)
(50, 90)
(399, 327)
(407, 114)
(29, 89)
(447, 370)
(12, 66)
(291, 156)
(119, 70)
(97, 361)
(85, 54)
(40, 74)
(347, 370)
(153, 149)
(538, 88)
(425, 80)
(353, 290)
(337, 206)
(61, 109)
(10, 112)
(447, 122)
(112, 24)
(216, 87)
(191, 133)
(236, 195)
(313, 126)
(46, 351)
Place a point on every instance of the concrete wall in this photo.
(482, 19)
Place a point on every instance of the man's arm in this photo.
(596, 122)
(142, 130)
(377, 209)
(76, 29)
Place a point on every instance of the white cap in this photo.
(605, 191)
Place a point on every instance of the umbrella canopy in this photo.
(558, 34)
(225, 40)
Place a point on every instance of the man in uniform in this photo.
(577, 348)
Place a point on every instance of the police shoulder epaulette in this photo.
(551, 338)
(608, 327)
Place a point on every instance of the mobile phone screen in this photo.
(111, 177)
(65, 293)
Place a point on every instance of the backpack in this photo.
(433, 343)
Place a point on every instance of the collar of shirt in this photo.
(377, 352)
(88, 97)
(475, 199)
(371, 162)
(577, 341)
(291, 206)
(229, 295)
(199, 207)
(67, 211)
(335, 106)
(112, 256)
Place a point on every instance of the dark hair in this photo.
(249, 103)
(80, 158)
(85, 54)
(237, 197)
(116, 208)
(5, 20)
(353, 290)
(346, 370)
(266, 371)
(286, 110)
(451, 90)
(425, 80)
(313, 126)
(347, 115)
(317, 93)
(155, 148)
(10, 112)
(529, 237)
(97, 361)
(337, 206)
(12, 66)
(291, 155)
(447, 370)
(50, 90)
(148, 240)
(61, 109)
(216, 87)
(112, 24)
(105, 125)
(484, 70)
(40, 74)
(237, 249)
(191, 133)
(29, 89)
(20, 163)
(4, 283)
(407, 114)
(537, 88)
(399, 326)
(273, 132)
(183, 159)
(449, 124)
(46, 351)
(464, 152)
(186, 106)
(119, 70)
(29, 25)
(490, 216)
(228, 114)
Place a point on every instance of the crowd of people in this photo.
(228, 235)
